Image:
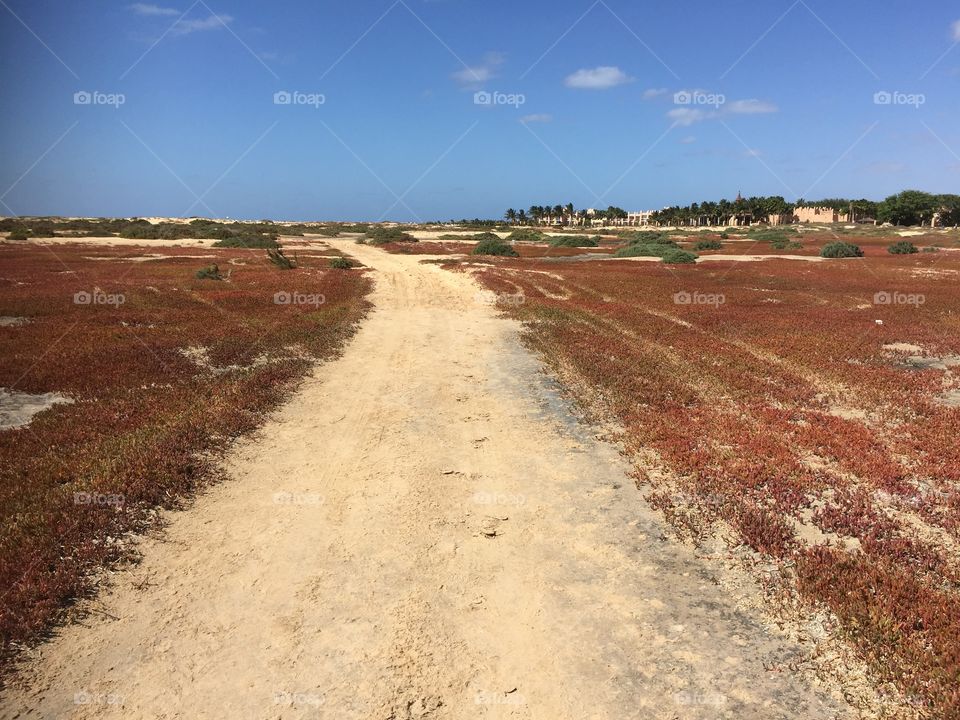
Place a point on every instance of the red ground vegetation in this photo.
(148, 418)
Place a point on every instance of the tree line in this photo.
(910, 207)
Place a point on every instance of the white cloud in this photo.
(750, 107)
(475, 75)
(599, 78)
(685, 117)
(214, 22)
(536, 117)
(654, 93)
(147, 9)
(956, 31)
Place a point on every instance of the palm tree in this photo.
(522, 217)
(510, 215)
(569, 210)
(558, 212)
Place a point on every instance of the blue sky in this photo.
(584, 106)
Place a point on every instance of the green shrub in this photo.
(575, 241)
(902, 247)
(786, 245)
(276, 256)
(19, 233)
(211, 272)
(384, 235)
(708, 245)
(647, 238)
(650, 250)
(526, 235)
(841, 250)
(484, 237)
(341, 263)
(678, 257)
(494, 247)
(724, 236)
(328, 231)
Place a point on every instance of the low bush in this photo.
(902, 248)
(495, 247)
(724, 236)
(648, 250)
(328, 231)
(340, 263)
(526, 235)
(708, 245)
(211, 272)
(841, 250)
(19, 233)
(276, 256)
(384, 235)
(575, 241)
(679, 257)
(786, 245)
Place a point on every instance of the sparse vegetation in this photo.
(674, 256)
(211, 272)
(340, 263)
(575, 241)
(841, 250)
(495, 247)
(903, 247)
(276, 257)
(384, 235)
(526, 235)
(708, 245)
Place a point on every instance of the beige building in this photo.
(820, 215)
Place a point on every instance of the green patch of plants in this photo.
(786, 245)
(496, 247)
(19, 233)
(276, 257)
(841, 250)
(647, 238)
(645, 250)
(328, 231)
(724, 236)
(526, 235)
(902, 247)
(341, 263)
(575, 241)
(708, 245)
(675, 256)
(211, 272)
(384, 235)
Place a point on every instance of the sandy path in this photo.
(423, 531)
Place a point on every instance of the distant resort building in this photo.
(819, 215)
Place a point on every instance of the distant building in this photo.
(820, 215)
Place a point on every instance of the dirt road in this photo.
(423, 531)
